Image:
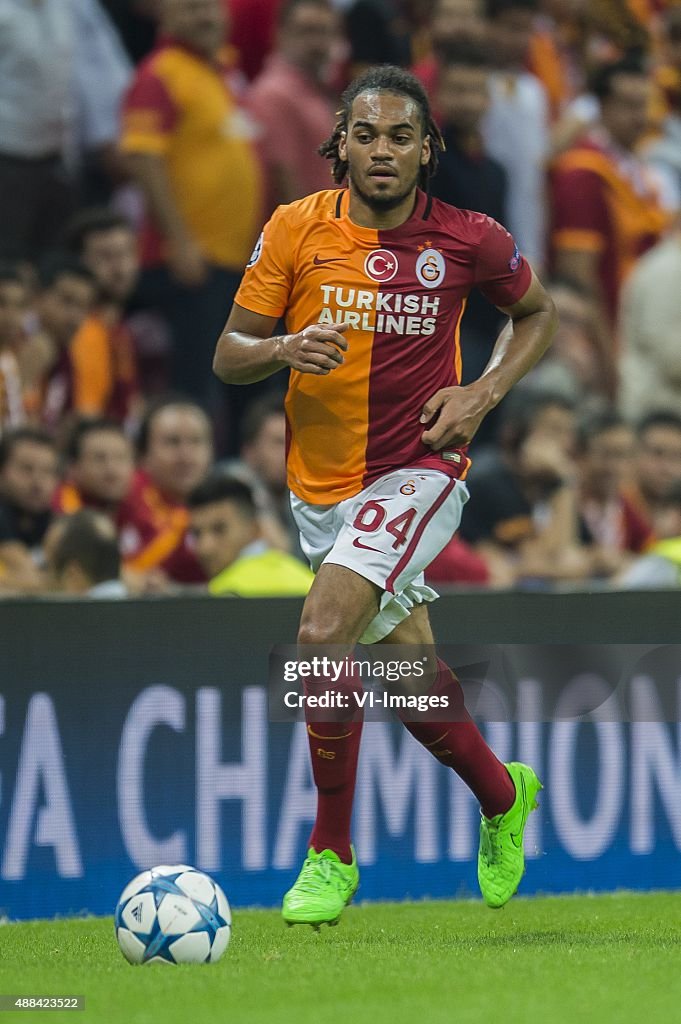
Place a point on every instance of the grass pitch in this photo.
(605, 959)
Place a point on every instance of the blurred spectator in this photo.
(458, 564)
(607, 209)
(573, 364)
(190, 147)
(469, 178)
(235, 558)
(660, 566)
(377, 33)
(100, 467)
(650, 365)
(13, 307)
(36, 195)
(106, 245)
(262, 467)
(137, 23)
(611, 526)
(554, 53)
(516, 127)
(253, 31)
(83, 556)
(657, 465)
(522, 514)
(291, 101)
(175, 449)
(453, 24)
(101, 71)
(59, 376)
(665, 150)
(28, 477)
(53, 108)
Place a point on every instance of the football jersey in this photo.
(403, 292)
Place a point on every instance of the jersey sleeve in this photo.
(149, 115)
(501, 273)
(580, 214)
(268, 278)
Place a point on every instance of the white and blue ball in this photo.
(173, 914)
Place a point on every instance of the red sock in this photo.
(458, 744)
(334, 749)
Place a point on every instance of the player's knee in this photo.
(318, 631)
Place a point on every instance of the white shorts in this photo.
(388, 533)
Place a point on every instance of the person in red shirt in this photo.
(176, 450)
(292, 103)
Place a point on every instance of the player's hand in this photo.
(318, 349)
(454, 415)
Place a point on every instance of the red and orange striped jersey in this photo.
(403, 292)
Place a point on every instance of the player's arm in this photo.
(247, 351)
(521, 343)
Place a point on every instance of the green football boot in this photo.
(501, 860)
(322, 890)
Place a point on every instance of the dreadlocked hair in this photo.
(384, 78)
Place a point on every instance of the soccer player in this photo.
(372, 280)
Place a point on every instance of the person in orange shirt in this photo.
(175, 450)
(57, 380)
(100, 468)
(191, 147)
(371, 280)
(104, 347)
(608, 205)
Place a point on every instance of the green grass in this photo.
(570, 960)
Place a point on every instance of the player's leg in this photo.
(507, 793)
(337, 610)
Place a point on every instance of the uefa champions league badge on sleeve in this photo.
(514, 261)
(257, 252)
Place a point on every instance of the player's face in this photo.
(105, 466)
(12, 311)
(463, 97)
(267, 453)
(220, 531)
(658, 464)
(385, 148)
(64, 306)
(179, 450)
(29, 477)
(112, 258)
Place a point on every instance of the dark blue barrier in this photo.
(137, 733)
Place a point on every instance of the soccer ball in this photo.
(173, 914)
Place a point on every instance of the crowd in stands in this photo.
(142, 145)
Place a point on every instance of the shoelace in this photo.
(316, 874)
